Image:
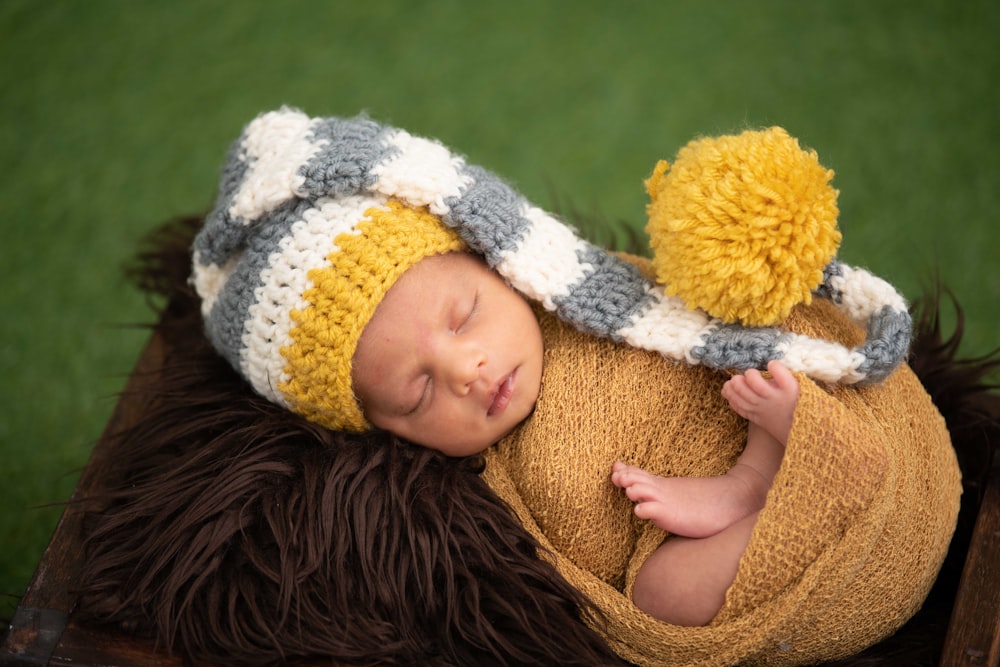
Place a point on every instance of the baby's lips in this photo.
(501, 396)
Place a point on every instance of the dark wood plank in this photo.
(973, 638)
(40, 630)
(81, 645)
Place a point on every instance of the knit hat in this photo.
(289, 279)
(317, 217)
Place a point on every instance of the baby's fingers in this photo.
(781, 376)
(736, 387)
(756, 383)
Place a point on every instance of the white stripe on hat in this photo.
(669, 327)
(308, 246)
(544, 266)
(275, 146)
(209, 279)
(421, 173)
(820, 359)
(863, 294)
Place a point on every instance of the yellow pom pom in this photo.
(742, 226)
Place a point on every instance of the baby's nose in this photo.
(464, 367)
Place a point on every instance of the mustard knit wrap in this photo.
(853, 533)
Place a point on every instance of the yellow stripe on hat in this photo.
(342, 299)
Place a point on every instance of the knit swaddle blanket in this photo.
(852, 535)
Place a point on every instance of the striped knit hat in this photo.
(316, 218)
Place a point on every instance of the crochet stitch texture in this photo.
(293, 184)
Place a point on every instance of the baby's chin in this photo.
(475, 446)
(511, 429)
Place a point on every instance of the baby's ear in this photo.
(742, 226)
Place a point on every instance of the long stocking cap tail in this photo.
(285, 157)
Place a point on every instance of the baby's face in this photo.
(451, 359)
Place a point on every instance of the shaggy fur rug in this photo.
(236, 532)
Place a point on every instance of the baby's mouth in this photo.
(502, 395)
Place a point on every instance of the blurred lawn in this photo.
(116, 116)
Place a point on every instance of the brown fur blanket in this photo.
(236, 532)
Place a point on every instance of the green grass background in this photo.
(115, 117)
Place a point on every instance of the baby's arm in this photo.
(702, 506)
(685, 580)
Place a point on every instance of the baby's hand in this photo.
(767, 402)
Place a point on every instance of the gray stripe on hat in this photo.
(887, 343)
(733, 346)
(222, 236)
(607, 298)
(344, 164)
(488, 218)
(226, 323)
(487, 215)
(826, 290)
